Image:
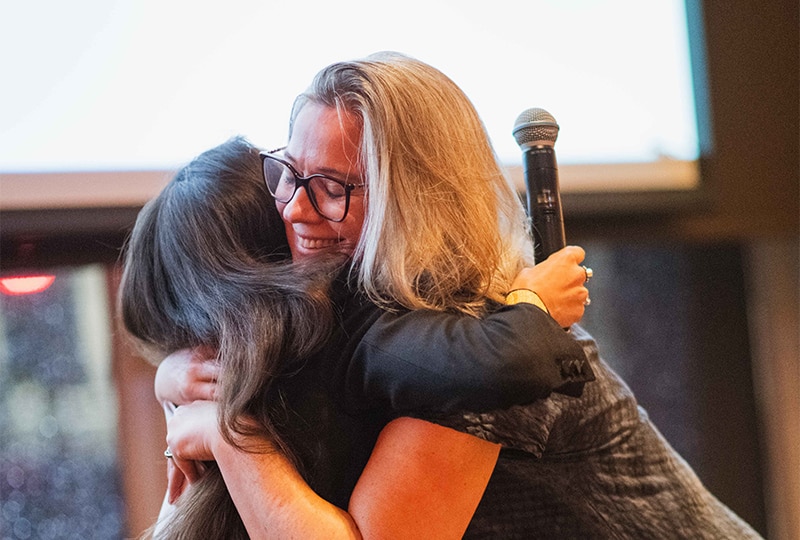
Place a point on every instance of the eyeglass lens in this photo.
(327, 196)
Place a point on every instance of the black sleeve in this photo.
(412, 361)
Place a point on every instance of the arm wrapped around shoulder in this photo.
(432, 361)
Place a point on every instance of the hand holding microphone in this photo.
(535, 131)
(560, 282)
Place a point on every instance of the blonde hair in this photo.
(444, 229)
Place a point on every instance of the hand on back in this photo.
(187, 375)
(185, 384)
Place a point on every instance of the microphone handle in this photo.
(544, 200)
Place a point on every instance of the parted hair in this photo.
(444, 229)
(207, 264)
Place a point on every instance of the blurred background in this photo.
(679, 164)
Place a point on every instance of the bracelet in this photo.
(527, 296)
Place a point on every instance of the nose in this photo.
(299, 208)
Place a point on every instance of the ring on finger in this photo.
(589, 273)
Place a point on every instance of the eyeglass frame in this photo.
(302, 181)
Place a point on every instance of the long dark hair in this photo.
(207, 264)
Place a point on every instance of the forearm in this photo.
(422, 481)
(274, 501)
(429, 360)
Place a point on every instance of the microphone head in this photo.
(535, 127)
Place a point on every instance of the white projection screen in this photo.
(103, 99)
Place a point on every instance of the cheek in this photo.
(353, 225)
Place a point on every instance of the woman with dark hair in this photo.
(207, 266)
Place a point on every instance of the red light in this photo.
(17, 285)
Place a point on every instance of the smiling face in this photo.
(323, 141)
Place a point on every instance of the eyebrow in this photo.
(334, 173)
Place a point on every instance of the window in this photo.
(144, 86)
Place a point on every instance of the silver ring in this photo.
(587, 301)
(589, 273)
(168, 453)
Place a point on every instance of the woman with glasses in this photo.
(432, 226)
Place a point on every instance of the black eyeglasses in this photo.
(329, 197)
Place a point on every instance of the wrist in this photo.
(526, 296)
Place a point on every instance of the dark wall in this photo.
(678, 335)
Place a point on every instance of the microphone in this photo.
(535, 131)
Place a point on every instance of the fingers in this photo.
(181, 470)
(187, 375)
(188, 470)
(202, 371)
(569, 305)
(561, 283)
(180, 474)
(575, 254)
(176, 481)
(199, 391)
(572, 309)
(169, 409)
